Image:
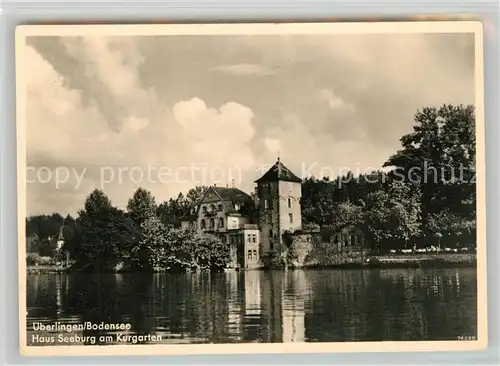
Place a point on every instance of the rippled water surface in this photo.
(261, 306)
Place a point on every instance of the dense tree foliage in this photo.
(141, 206)
(105, 238)
(392, 217)
(176, 249)
(172, 211)
(428, 193)
(105, 235)
(42, 232)
(439, 159)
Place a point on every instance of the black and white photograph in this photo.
(251, 188)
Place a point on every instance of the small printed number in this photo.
(466, 338)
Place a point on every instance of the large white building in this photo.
(253, 225)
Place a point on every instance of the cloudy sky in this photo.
(174, 109)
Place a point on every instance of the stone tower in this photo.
(279, 192)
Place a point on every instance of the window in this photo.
(289, 202)
(221, 222)
(212, 208)
(254, 238)
(266, 204)
(212, 223)
(290, 217)
(219, 207)
(254, 254)
(249, 255)
(203, 224)
(204, 208)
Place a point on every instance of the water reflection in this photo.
(261, 306)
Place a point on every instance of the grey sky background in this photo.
(231, 103)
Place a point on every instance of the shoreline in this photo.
(458, 260)
(444, 260)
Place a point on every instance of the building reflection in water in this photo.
(275, 305)
(296, 291)
(235, 312)
(252, 293)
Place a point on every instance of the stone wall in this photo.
(310, 250)
(300, 246)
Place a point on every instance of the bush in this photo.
(33, 259)
(46, 260)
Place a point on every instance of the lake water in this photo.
(260, 306)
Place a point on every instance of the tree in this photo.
(150, 252)
(195, 194)
(104, 235)
(317, 201)
(141, 206)
(33, 259)
(392, 217)
(172, 211)
(321, 197)
(449, 229)
(175, 249)
(438, 158)
(210, 252)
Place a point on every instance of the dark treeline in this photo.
(145, 236)
(425, 196)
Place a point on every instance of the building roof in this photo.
(279, 172)
(228, 196)
(232, 194)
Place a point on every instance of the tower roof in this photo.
(279, 172)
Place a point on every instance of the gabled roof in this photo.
(232, 194)
(229, 196)
(279, 172)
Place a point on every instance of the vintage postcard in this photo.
(251, 188)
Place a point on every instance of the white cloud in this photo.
(273, 145)
(333, 100)
(55, 114)
(67, 132)
(218, 136)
